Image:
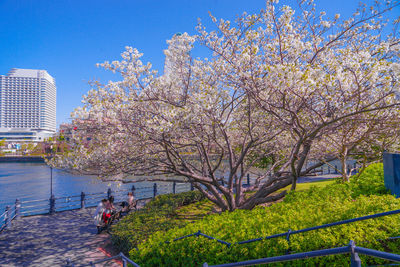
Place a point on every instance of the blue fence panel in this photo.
(391, 167)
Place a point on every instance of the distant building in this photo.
(27, 105)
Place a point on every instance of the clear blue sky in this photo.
(68, 37)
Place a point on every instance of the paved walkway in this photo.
(308, 179)
(48, 240)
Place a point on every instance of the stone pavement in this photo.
(48, 240)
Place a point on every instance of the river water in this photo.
(31, 181)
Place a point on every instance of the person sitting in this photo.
(109, 210)
(98, 214)
(110, 204)
(131, 201)
(125, 209)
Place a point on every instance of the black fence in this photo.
(22, 208)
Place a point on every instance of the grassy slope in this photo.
(198, 210)
(305, 208)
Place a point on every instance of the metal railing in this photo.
(57, 204)
(289, 232)
(125, 260)
(351, 249)
(9, 214)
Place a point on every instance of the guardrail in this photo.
(57, 204)
(351, 249)
(125, 260)
(9, 215)
(289, 232)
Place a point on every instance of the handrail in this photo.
(35, 200)
(99, 193)
(377, 254)
(351, 248)
(347, 221)
(290, 232)
(120, 255)
(298, 256)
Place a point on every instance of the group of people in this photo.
(106, 211)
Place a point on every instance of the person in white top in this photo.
(98, 214)
(131, 201)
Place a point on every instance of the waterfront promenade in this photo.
(48, 240)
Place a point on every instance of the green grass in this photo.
(306, 186)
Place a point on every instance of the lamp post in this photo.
(52, 198)
(51, 181)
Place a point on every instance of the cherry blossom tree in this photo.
(311, 72)
(359, 138)
(274, 86)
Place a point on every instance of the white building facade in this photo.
(27, 105)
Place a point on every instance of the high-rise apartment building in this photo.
(27, 105)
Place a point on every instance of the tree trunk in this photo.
(264, 194)
(346, 176)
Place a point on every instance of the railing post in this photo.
(82, 200)
(17, 208)
(133, 190)
(155, 190)
(174, 187)
(248, 179)
(8, 216)
(288, 240)
(108, 193)
(355, 260)
(52, 204)
(124, 262)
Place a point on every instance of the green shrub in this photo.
(173, 201)
(157, 215)
(299, 210)
(369, 182)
